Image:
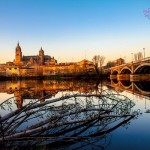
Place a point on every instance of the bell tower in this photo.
(18, 57)
(41, 56)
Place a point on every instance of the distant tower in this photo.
(18, 57)
(41, 55)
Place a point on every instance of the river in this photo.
(109, 134)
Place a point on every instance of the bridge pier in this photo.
(113, 77)
(123, 77)
(139, 77)
(120, 77)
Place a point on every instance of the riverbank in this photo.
(60, 76)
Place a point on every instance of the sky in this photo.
(73, 30)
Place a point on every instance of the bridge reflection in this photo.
(133, 87)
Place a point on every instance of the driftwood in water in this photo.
(69, 115)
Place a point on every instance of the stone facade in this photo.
(39, 59)
(69, 68)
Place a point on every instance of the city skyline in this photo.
(75, 30)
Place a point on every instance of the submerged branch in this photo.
(78, 115)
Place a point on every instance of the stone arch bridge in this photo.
(134, 71)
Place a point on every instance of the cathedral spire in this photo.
(18, 46)
(41, 49)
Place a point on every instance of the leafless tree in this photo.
(98, 61)
(110, 64)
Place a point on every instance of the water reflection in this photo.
(38, 89)
(141, 88)
(81, 117)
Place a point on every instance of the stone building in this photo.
(116, 62)
(69, 68)
(39, 59)
(42, 65)
(119, 61)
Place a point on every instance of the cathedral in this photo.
(42, 65)
(39, 59)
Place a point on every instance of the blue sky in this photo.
(71, 30)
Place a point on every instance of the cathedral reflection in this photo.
(39, 89)
(44, 89)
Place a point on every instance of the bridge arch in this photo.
(143, 88)
(126, 84)
(115, 72)
(115, 82)
(143, 68)
(125, 70)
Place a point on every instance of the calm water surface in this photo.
(132, 135)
